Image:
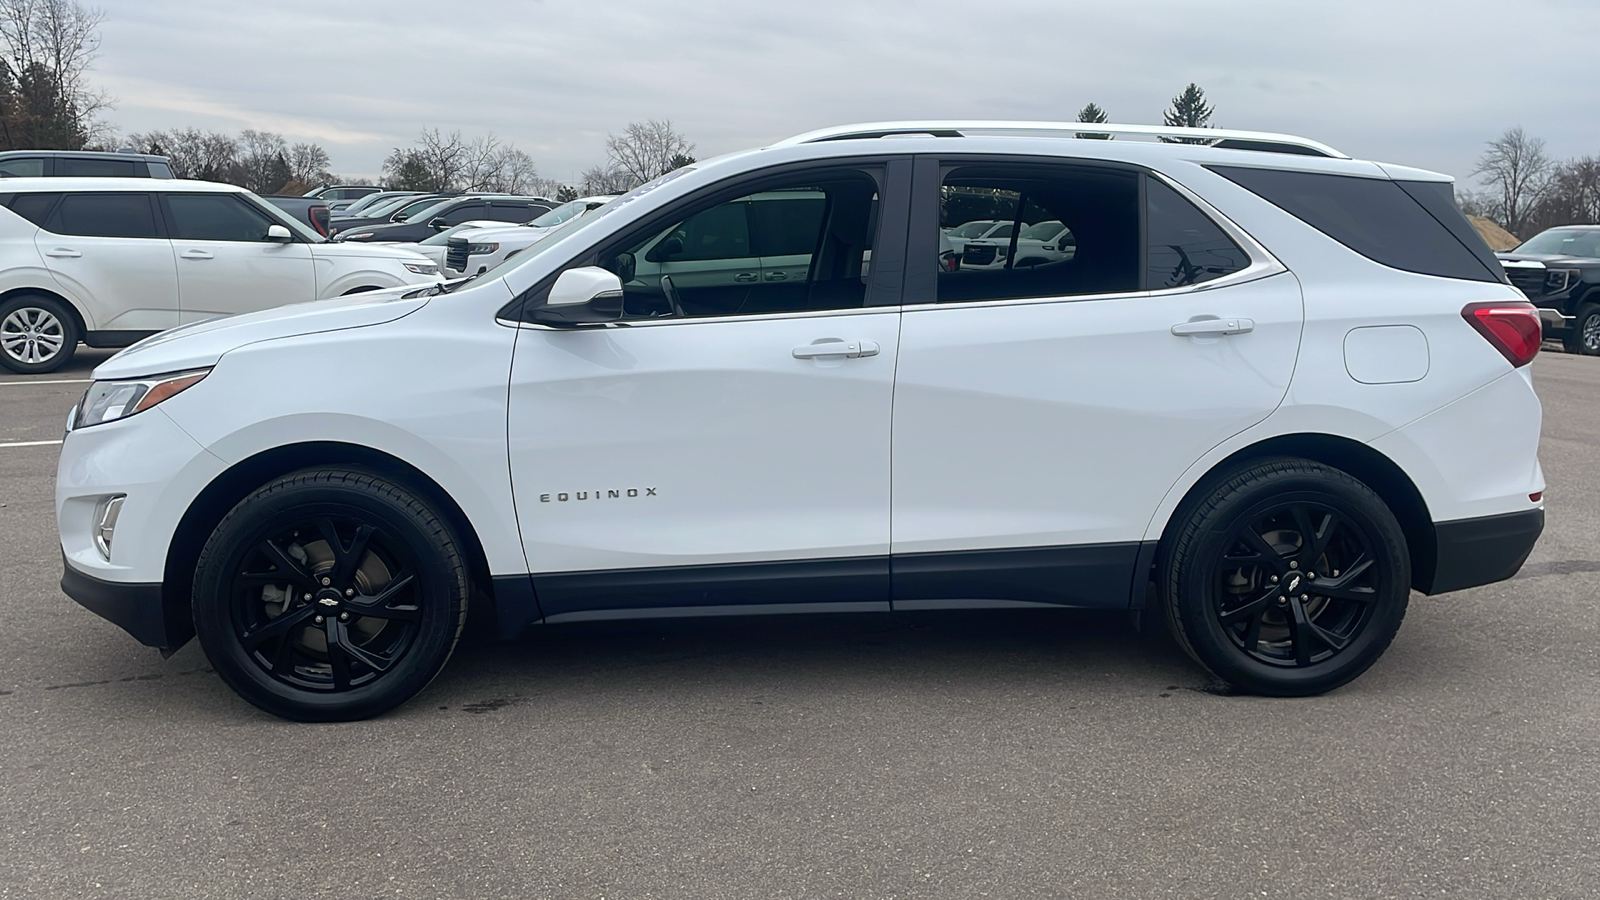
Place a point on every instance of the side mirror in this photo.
(666, 249)
(586, 296)
(438, 223)
(279, 234)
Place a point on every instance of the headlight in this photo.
(1558, 280)
(422, 268)
(476, 249)
(107, 401)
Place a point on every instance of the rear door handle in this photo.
(197, 254)
(1235, 325)
(777, 276)
(846, 349)
(746, 277)
(63, 253)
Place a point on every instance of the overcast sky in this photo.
(1419, 83)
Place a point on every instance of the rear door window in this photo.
(1184, 247)
(23, 167)
(1375, 217)
(105, 215)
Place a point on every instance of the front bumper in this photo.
(138, 609)
(1473, 552)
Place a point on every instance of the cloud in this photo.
(1416, 83)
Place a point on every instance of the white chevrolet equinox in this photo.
(108, 261)
(1272, 391)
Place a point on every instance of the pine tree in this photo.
(1093, 113)
(1189, 110)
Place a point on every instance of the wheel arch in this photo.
(1371, 467)
(225, 491)
(77, 314)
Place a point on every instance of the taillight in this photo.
(1513, 328)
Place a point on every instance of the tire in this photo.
(37, 334)
(1584, 336)
(1316, 530)
(330, 595)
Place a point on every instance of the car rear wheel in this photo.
(1584, 337)
(37, 334)
(330, 595)
(1289, 578)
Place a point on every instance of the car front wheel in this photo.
(1289, 578)
(1584, 337)
(330, 595)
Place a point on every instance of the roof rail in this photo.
(1214, 137)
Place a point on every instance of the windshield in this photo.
(443, 237)
(383, 207)
(370, 201)
(1564, 242)
(423, 210)
(1043, 231)
(560, 214)
(973, 229)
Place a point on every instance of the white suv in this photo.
(1273, 390)
(108, 261)
(496, 242)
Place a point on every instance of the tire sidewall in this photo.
(1587, 312)
(1196, 579)
(69, 333)
(442, 590)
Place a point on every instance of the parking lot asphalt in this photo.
(956, 755)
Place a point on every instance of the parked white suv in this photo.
(470, 253)
(108, 261)
(1274, 390)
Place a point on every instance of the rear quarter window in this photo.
(1376, 218)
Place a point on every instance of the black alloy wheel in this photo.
(329, 595)
(1288, 578)
(1584, 337)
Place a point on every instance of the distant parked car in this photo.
(311, 210)
(395, 209)
(1039, 243)
(976, 229)
(429, 220)
(82, 164)
(109, 261)
(355, 207)
(1559, 270)
(475, 250)
(343, 191)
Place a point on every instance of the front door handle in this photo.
(746, 277)
(836, 347)
(1235, 325)
(63, 253)
(777, 276)
(197, 254)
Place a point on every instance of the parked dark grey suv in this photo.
(1559, 270)
(82, 164)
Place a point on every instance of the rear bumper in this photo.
(136, 608)
(1472, 552)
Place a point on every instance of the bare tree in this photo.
(47, 46)
(193, 153)
(606, 180)
(442, 161)
(645, 151)
(1516, 170)
(308, 164)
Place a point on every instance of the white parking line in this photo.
(55, 381)
(30, 444)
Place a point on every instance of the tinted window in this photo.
(722, 232)
(1439, 199)
(1100, 209)
(790, 248)
(456, 216)
(215, 217)
(27, 167)
(786, 225)
(159, 170)
(34, 207)
(513, 212)
(1185, 247)
(94, 168)
(1374, 217)
(104, 215)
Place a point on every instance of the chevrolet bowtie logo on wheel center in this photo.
(1294, 584)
